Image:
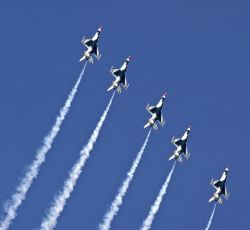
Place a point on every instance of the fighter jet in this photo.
(92, 48)
(181, 145)
(220, 187)
(155, 111)
(120, 77)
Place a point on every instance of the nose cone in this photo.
(226, 169)
(128, 59)
(164, 95)
(189, 128)
(100, 29)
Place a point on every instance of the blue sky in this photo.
(197, 51)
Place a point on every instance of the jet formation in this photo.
(220, 187)
(120, 77)
(155, 111)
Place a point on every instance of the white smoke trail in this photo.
(211, 218)
(117, 202)
(19, 196)
(50, 221)
(155, 207)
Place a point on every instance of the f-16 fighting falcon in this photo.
(181, 145)
(155, 111)
(220, 187)
(120, 77)
(92, 47)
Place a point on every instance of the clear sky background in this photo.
(197, 51)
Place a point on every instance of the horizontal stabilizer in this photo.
(83, 57)
(211, 199)
(155, 127)
(145, 126)
(110, 88)
(171, 158)
(179, 158)
(118, 89)
(91, 60)
(219, 200)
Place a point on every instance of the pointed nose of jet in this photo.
(100, 29)
(226, 169)
(189, 128)
(128, 59)
(164, 95)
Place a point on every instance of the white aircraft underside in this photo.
(120, 77)
(220, 187)
(181, 146)
(155, 111)
(92, 47)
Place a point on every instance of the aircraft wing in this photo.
(177, 142)
(96, 51)
(224, 191)
(185, 149)
(160, 118)
(116, 72)
(124, 81)
(217, 184)
(87, 42)
(152, 109)
(211, 199)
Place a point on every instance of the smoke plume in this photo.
(116, 204)
(57, 206)
(155, 207)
